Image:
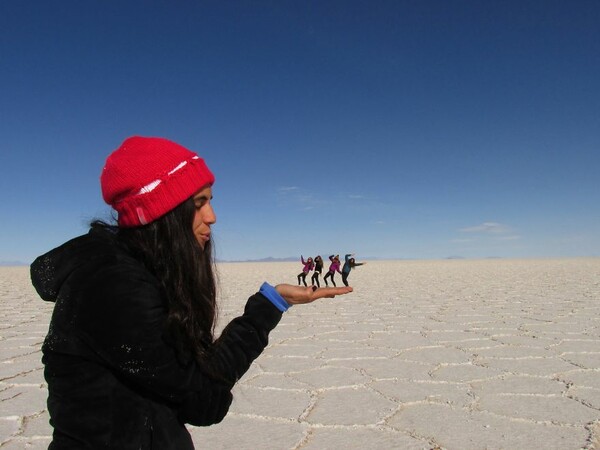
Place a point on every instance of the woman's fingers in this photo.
(296, 295)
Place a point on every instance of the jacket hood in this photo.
(50, 270)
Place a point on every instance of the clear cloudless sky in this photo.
(390, 129)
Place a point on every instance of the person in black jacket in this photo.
(318, 270)
(130, 356)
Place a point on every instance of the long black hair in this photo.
(171, 252)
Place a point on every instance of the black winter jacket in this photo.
(113, 379)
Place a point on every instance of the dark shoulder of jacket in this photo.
(98, 248)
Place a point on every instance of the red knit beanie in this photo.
(146, 177)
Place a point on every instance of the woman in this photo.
(308, 266)
(318, 270)
(130, 356)
(333, 268)
(349, 264)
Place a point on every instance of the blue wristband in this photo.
(273, 296)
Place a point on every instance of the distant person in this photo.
(349, 264)
(308, 266)
(333, 268)
(130, 356)
(318, 270)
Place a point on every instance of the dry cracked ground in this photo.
(492, 354)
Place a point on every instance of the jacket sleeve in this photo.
(240, 343)
(123, 324)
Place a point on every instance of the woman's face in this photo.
(204, 216)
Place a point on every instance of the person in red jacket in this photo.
(130, 356)
(333, 268)
(308, 266)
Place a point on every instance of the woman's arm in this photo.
(123, 322)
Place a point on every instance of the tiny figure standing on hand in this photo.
(317, 272)
(308, 266)
(333, 268)
(348, 266)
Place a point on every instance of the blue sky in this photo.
(391, 129)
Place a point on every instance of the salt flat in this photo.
(457, 354)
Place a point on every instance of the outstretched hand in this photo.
(296, 295)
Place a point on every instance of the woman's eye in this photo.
(200, 202)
